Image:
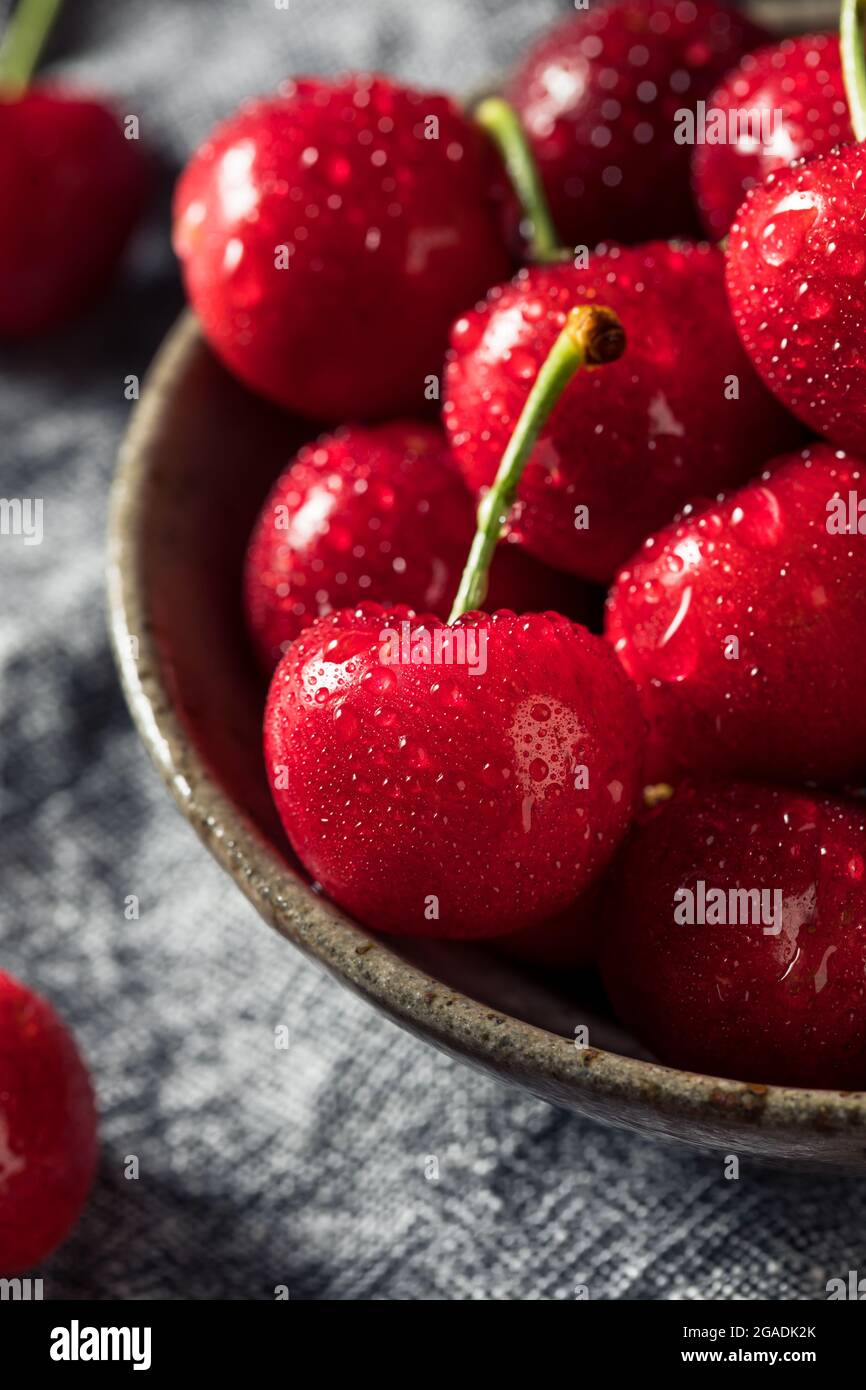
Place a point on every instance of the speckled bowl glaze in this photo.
(197, 461)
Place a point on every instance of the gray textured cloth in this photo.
(260, 1167)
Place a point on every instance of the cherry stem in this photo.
(591, 337)
(501, 122)
(852, 41)
(25, 37)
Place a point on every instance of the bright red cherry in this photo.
(48, 1139)
(797, 283)
(467, 796)
(599, 97)
(682, 412)
(378, 513)
(765, 988)
(742, 625)
(783, 103)
(329, 236)
(72, 190)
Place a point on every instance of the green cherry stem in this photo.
(591, 337)
(501, 122)
(25, 37)
(852, 41)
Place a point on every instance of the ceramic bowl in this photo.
(198, 459)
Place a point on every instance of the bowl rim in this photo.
(546, 1063)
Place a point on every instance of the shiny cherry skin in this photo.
(328, 237)
(378, 512)
(796, 271)
(794, 89)
(48, 1139)
(72, 188)
(599, 96)
(743, 626)
(726, 997)
(681, 413)
(430, 801)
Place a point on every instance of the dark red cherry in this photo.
(71, 190)
(378, 513)
(783, 103)
(743, 626)
(48, 1139)
(565, 942)
(735, 936)
(599, 96)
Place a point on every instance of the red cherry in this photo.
(377, 513)
(740, 624)
(701, 982)
(430, 801)
(633, 441)
(791, 104)
(329, 236)
(72, 189)
(48, 1139)
(599, 95)
(797, 283)
(565, 942)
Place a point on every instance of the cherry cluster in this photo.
(640, 416)
(561, 610)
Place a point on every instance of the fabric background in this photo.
(306, 1167)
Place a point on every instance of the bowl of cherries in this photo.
(488, 552)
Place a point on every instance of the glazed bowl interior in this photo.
(197, 463)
